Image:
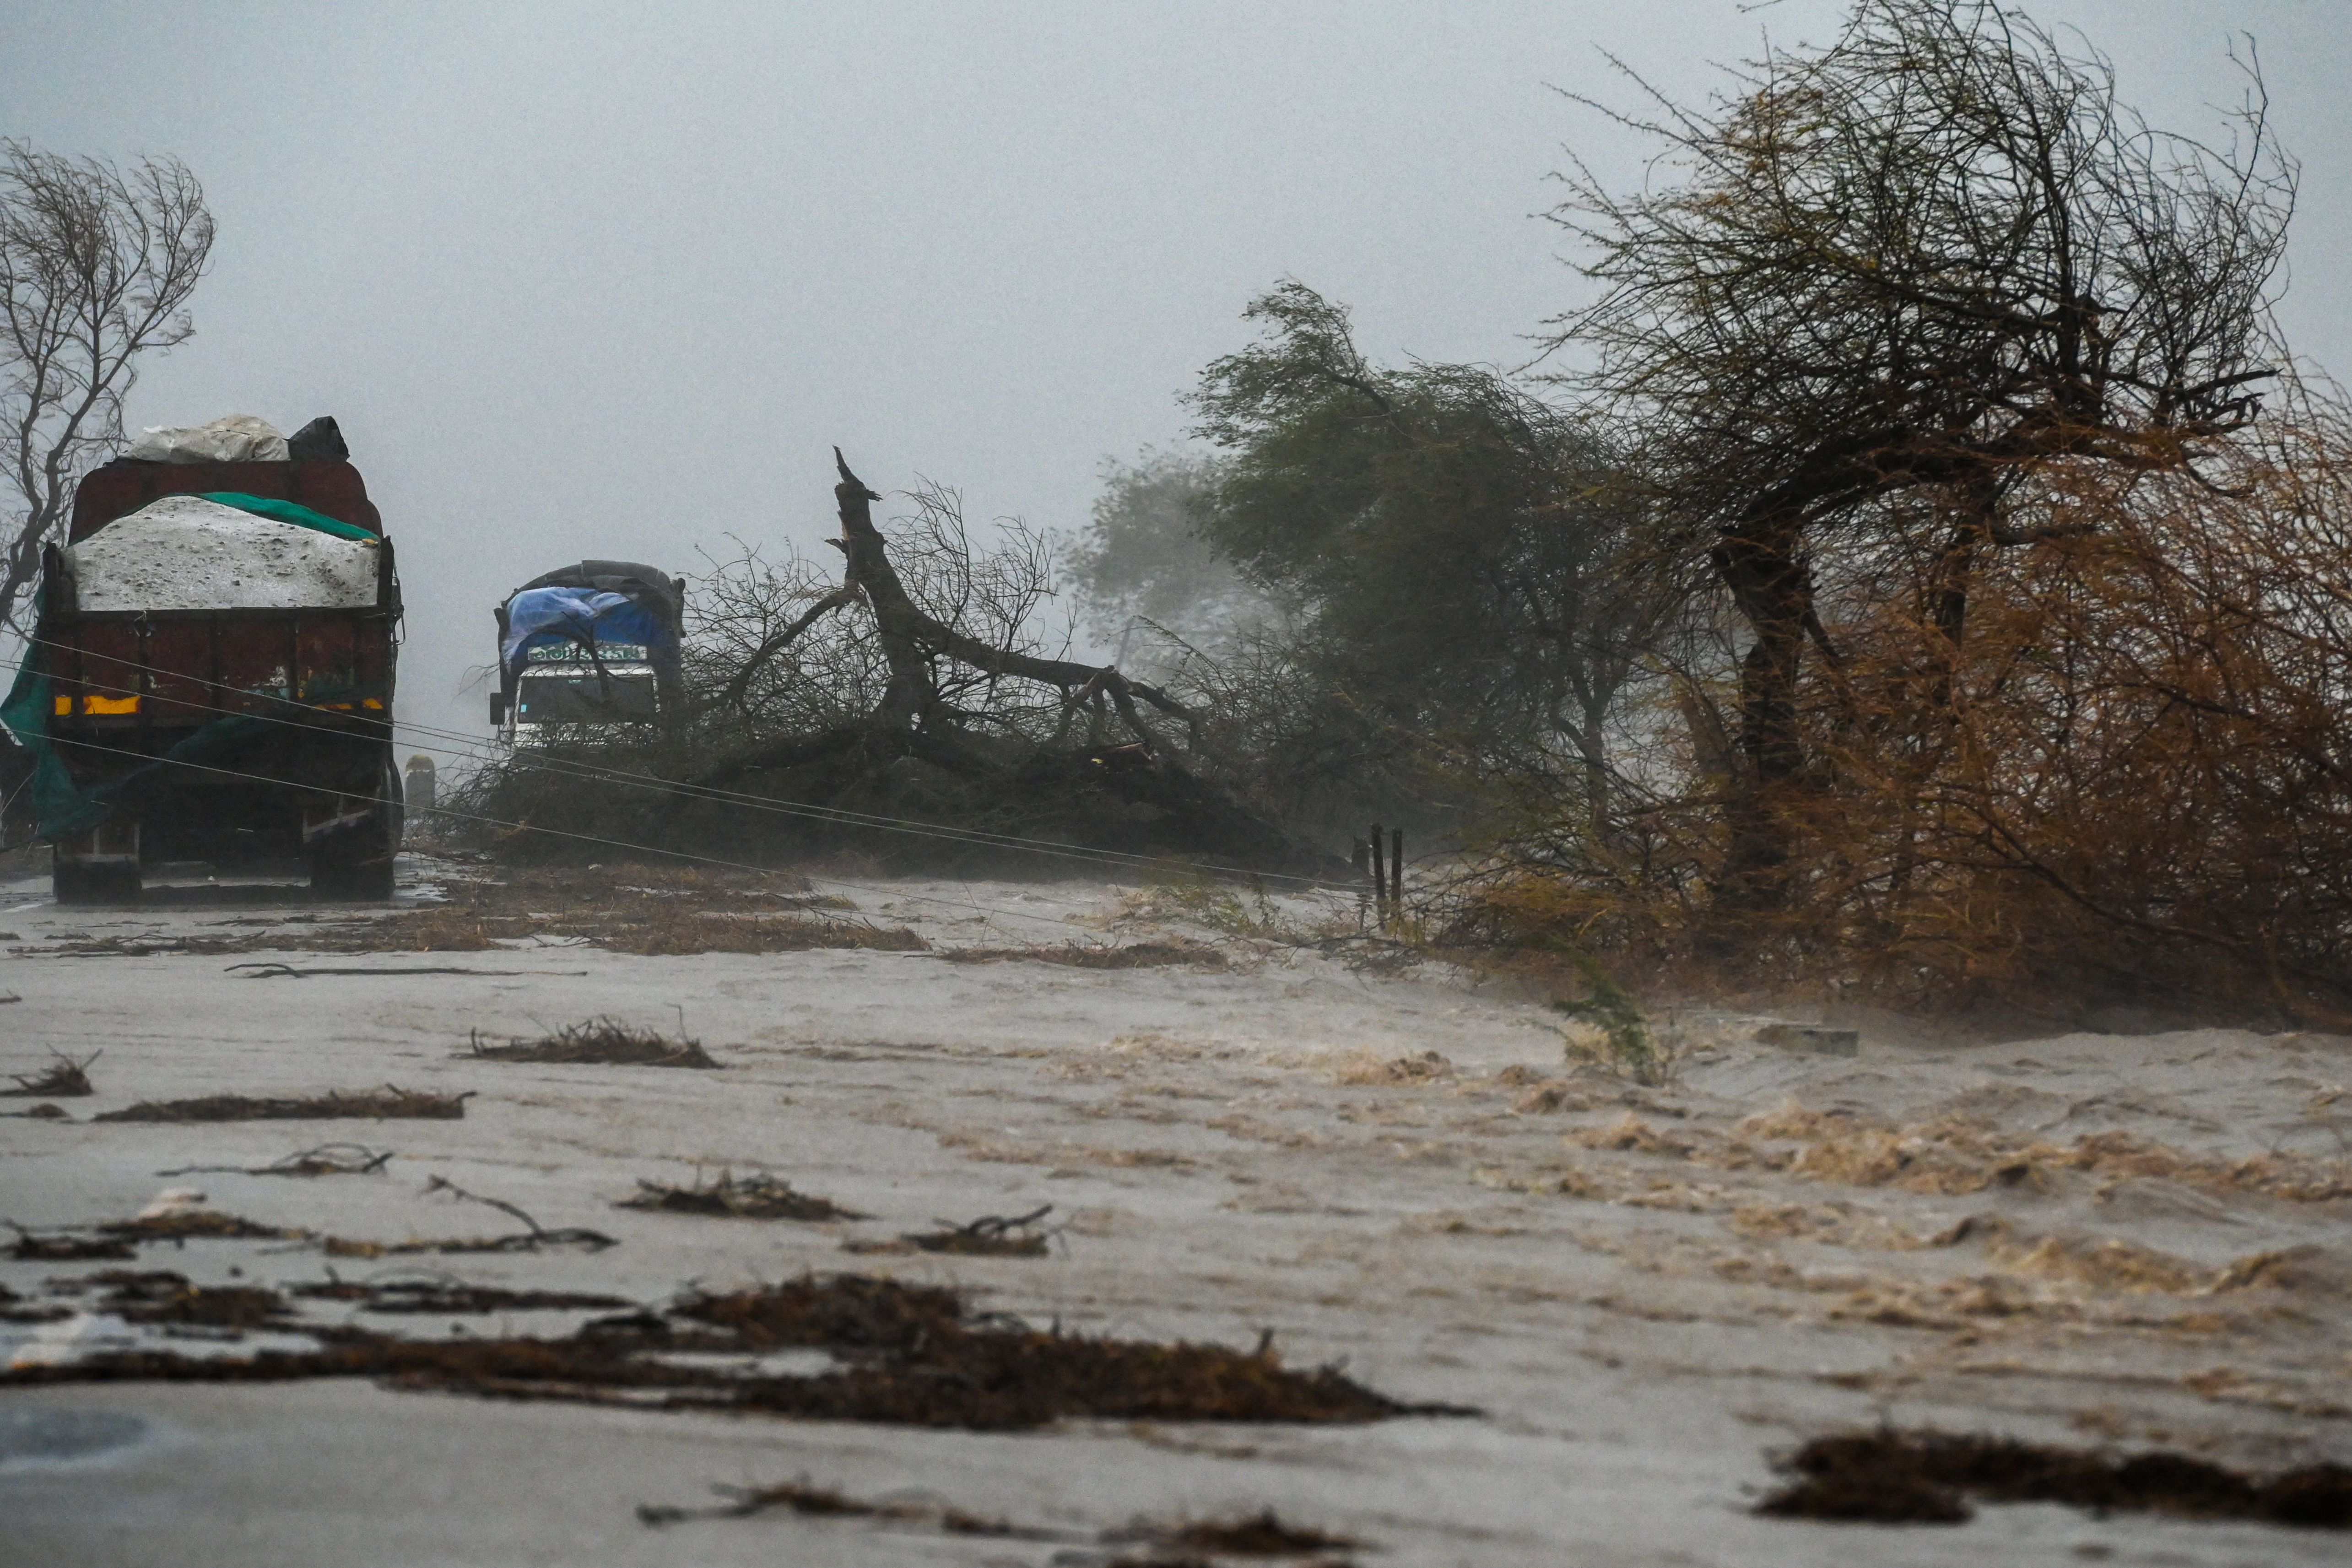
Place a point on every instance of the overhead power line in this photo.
(471, 748)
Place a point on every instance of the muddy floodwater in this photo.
(1586, 1318)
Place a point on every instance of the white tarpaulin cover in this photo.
(237, 438)
(184, 552)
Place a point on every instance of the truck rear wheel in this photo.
(358, 865)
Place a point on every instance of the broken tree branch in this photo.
(911, 638)
(736, 689)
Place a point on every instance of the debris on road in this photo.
(911, 1356)
(389, 1102)
(325, 1159)
(32, 1248)
(181, 1223)
(827, 1502)
(1129, 955)
(603, 1040)
(160, 1296)
(65, 1078)
(1886, 1476)
(654, 910)
(1259, 1534)
(756, 1196)
(287, 971)
(536, 1239)
(993, 1236)
(443, 1294)
(526, 1241)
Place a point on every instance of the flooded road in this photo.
(1648, 1293)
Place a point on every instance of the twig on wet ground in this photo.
(756, 1196)
(325, 1159)
(536, 1238)
(598, 1040)
(64, 1078)
(991, 1236)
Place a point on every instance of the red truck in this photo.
(208, 694)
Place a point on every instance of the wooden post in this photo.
(1380, 878)
(1396, 871)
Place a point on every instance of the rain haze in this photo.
(1752, 965)
(610, 280)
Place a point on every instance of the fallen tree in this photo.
(913, 640)
(910, 713)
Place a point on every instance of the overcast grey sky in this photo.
(608, 280)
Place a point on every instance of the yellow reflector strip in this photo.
(65, 706)
(110, 705)
(375, 702)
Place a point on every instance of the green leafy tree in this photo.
(1453, 549)
(1144, 563)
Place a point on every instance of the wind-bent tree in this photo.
(1883, 293)
(1451, 548)
(1144, 565)
(97, 263)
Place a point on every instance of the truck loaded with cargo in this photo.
(208, 689)
(597, 644)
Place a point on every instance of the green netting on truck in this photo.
(289, 512)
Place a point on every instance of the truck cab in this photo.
(594, 644)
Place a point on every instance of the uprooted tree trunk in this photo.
(913, 639)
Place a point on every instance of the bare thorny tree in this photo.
(97, 263)
(946, 631)
(772, 656)
(1895, 286)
